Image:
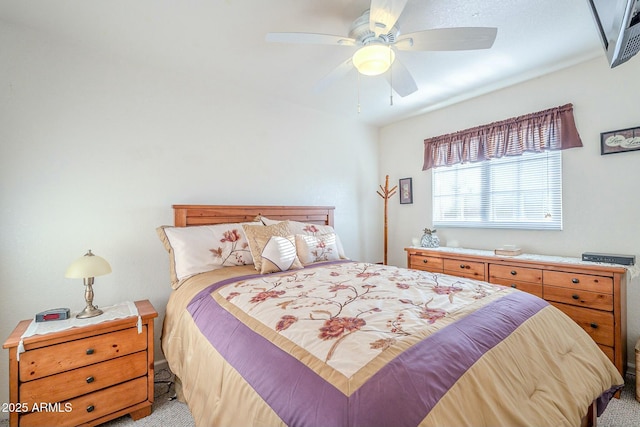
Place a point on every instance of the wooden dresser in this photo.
(593, 295)
(82, 376)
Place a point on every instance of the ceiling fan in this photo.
(376, 35)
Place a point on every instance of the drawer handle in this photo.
(513, 285)
(425, 261)
(513, 272)
(594, 325)
(90, 408)
(90, 380)
(574, 280)
(462, 266)
(90, 351)
(575, 296)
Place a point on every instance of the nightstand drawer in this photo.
(598, 324)
(67, 385)
(587, 282)
(579, 297)
(90, 406)
(470, 269)
(520, 274)
(421, 262)
(58, 358)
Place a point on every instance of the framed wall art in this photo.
(406, 191)
(620, 141)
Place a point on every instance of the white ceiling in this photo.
(224, 41)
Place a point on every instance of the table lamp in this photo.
(87, 267)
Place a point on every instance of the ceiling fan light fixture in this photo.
(373, 59)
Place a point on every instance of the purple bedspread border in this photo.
(603, 400)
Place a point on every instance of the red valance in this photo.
(552, 129)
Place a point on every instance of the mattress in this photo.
(348, 343)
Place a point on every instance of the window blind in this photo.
(522, 191)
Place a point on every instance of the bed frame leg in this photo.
(591, 419)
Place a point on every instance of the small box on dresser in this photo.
(84, 375)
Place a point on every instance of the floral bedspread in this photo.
(346, 314)
(354, 344)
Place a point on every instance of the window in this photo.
(509, 192)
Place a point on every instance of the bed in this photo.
(271, 324)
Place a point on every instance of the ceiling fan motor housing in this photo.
(360, 31)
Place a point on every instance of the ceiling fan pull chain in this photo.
(358, 93)
(390, 78)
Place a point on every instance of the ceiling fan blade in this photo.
(401, 80)
(460, 38)
(310, 38)
(383, 15)
(336, 74)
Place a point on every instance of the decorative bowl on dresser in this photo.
(83, 375)
(593, 295)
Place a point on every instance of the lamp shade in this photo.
(373, 59)
(88, 265)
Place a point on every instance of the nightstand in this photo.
(85, 375)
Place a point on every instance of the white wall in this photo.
(95, 150)
(601, 200)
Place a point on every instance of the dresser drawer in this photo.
(520, 274)
(58, 358)
(470, 269)
(90, 406)
(598, 324)
(530, 288)
(421, 262)
(579, 297)
(586, 282)
(64, 386)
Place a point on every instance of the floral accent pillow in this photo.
(309, 229)
(197, 249)
(258, 235)
(317, 248)
(278, 254)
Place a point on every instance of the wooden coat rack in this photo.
(386, 193)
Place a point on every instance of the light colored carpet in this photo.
(623, 412)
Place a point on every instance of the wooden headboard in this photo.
(187, 215)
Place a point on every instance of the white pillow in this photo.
(296, 227)
(197, 249)
(278, 254)
(258, 235)
(317, 248)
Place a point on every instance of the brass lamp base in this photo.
(89, 311)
